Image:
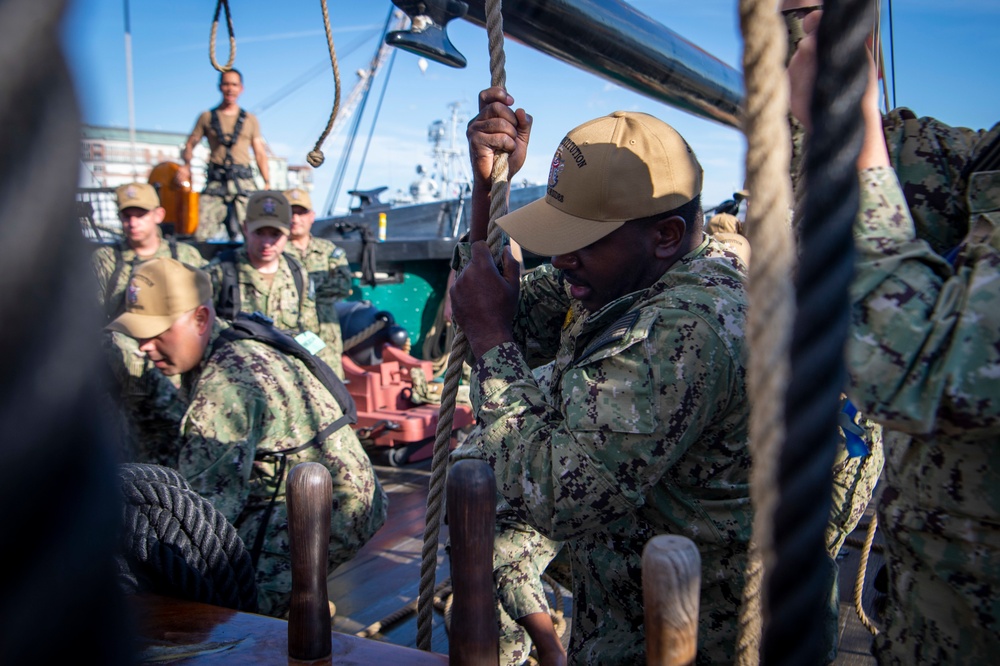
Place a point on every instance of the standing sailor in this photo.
(262, 277)
(145, 401)
(231, 133)
(328, 270)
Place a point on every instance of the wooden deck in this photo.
(385, 575)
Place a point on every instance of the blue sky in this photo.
(945, 67)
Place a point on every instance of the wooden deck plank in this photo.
(385, 574)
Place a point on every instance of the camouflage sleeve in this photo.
(520, 555)
(542, 310)
(336, 284)
(924, 348)
(932, 161)
(188, 254)
(219, 436)
(631, 414)
(103, 262)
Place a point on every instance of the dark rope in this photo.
(176, 543)
(57, 488)
(798, 585)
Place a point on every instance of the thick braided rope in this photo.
(459, 350)
(859, 584)
(232, 38)
(769, 320)
(315, 156)
(798, 584)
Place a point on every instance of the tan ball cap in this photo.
(159, 292)
(137, 195)
(269, 208)
(621, 167)
(726, 229)
(299, 197)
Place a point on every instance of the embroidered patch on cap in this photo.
(270, 206)
(556, 168)
(130, 193)
(132, 294)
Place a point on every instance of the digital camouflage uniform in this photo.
(279, 299)
(924, 359)
(248, 399)
(143, 402)
(637, 428)
(331, 274)
(112, 297)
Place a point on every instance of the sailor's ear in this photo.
(202, 319)
(669, 235)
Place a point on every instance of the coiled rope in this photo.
(57, 470)
(315, 156)
(175, 541)
(797, 584)
(459, 350)
(771, 310)
(232, 38)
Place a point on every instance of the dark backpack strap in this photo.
(172, 244)
(298, 276)
(227, 305)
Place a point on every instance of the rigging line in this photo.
(378, 108)
(222, 4)
(892, 55)
(305, 77)
(331, 196)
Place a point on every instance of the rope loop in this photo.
(315, 157)
(219, 5)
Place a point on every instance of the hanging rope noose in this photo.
(459, 350)
(770, 294)
(315, 156)
(232, 38)
(798, 583)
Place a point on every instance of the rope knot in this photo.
(315, 158)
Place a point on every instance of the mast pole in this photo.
(131, 91)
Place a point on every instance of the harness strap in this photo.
(227, 140)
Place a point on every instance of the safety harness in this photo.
(227, 171)
(260, 328)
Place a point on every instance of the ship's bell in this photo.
(427, 35)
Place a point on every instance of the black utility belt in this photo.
(220, 173)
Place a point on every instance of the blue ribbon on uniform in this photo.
(856, 446)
